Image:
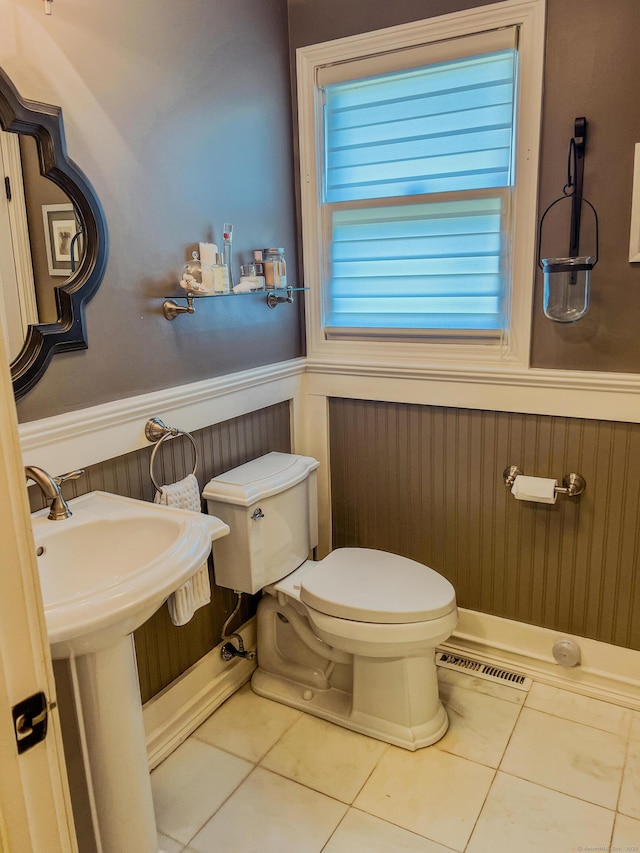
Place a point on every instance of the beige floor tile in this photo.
(247, 724)
(626, 834)
(568, 757)
(523, 817)
(326, 757)
(191, 784)
(429, 792)
(481, 685)
(630, 792)
(363, 833)
(479, 725)
(168, 845)
(269, 814)
(579, 709)
(635, 725)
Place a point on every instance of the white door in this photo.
(18, 305)
(35, 810)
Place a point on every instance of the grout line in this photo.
(373, 769)
(281, 775)
(213, 814)
(562, 793)
(496, 770)
(416, 835)
(170, 837)
(400, 826)
(335, 829)
(577, 722)
(515, 726)
(627, 753)
(291, 725)
(481, 809)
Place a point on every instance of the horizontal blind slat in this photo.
(421, 105)
(474, 320)
(418, 285)
(433, 145)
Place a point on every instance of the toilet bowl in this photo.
(350, 638)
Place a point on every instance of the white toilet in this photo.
(350, 638)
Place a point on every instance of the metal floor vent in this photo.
(483, 670)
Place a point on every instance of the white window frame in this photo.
(513, 350)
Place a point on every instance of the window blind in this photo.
(425, 266)
(390, 141)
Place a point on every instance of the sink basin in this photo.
(108, 568)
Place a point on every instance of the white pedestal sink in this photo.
(104, 572)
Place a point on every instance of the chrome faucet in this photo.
(50, 487)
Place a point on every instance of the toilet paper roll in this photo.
(539, 489)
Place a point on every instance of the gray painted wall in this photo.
(179, 114)
(592, 69)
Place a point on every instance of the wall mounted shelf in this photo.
(171, 309)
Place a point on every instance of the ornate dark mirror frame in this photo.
(44, 122)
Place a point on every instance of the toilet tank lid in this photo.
(259, 479)
(367, 585)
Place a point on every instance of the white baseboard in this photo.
(178, 710)
(607, 672)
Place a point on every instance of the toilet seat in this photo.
(382, 640)
(370, 586)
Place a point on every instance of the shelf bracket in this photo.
(171, 309)
(273, 300)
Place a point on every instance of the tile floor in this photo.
(548, 771)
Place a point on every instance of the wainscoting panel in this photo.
(164, 652)
(426, 482)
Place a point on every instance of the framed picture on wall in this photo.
(634, 239)
(60, 229)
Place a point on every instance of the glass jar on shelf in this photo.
(275, 269)
(196, 276)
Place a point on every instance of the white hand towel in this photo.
(196, 592)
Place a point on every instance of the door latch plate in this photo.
(30, 719)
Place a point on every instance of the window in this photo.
(442, 134)
(416, 158)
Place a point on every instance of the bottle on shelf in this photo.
(220, 276)
(227, 235)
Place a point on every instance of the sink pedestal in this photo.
(109, 710)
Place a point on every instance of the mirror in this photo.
(53, 238)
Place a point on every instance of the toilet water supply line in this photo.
(229, 651)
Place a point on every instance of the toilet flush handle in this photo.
(257, 513)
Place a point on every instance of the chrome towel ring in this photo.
(158, 432)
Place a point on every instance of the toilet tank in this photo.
(271, 506)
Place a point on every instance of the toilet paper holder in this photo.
(572, 484)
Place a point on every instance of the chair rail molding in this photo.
(97, 433)
(92, 435)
